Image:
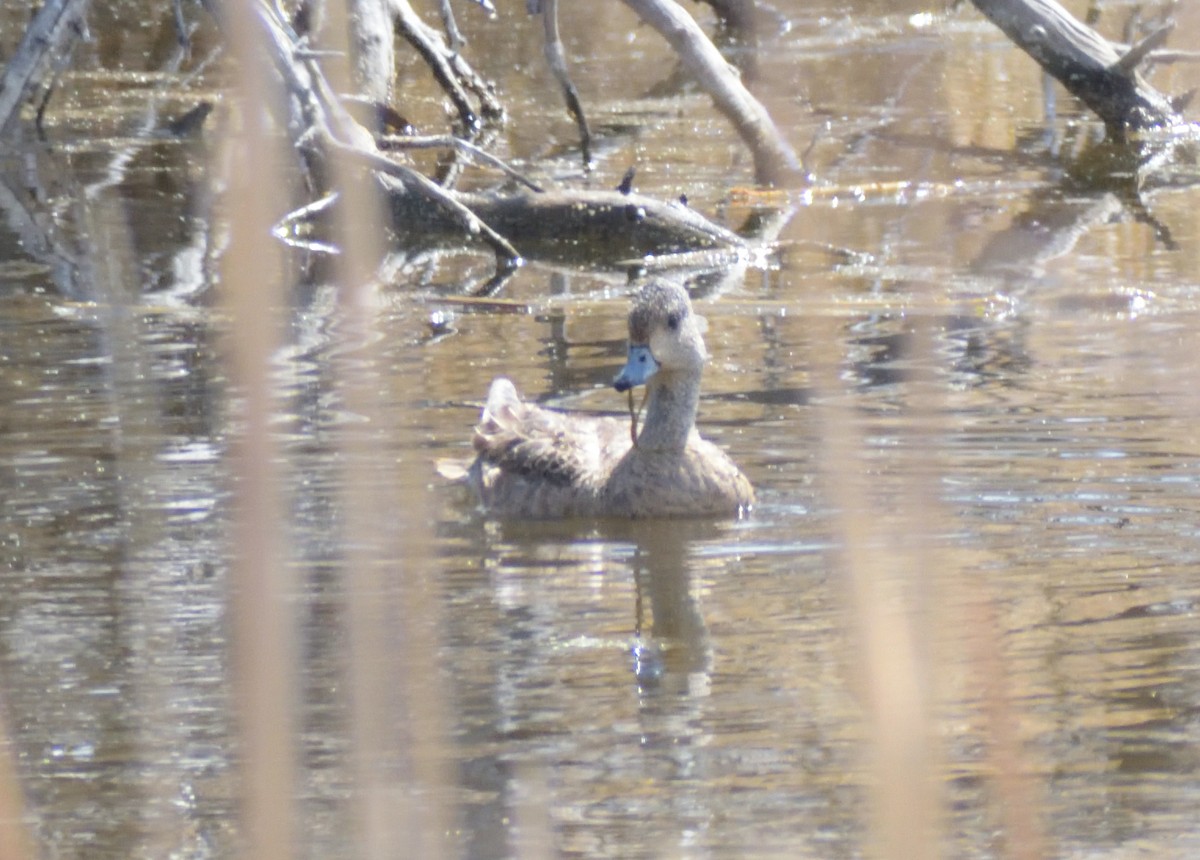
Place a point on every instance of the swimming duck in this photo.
(536, 463)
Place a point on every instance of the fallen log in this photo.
(599, 226)
(611, 230)
(575, 227)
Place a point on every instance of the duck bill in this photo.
(640, 367)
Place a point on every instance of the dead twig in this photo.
(449, 141)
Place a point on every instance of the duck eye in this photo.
(673, 321)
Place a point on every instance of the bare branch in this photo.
(447, 141)
(1135, 55)
(1086, 63)
(557, 61)
(774, 159)
(44, 47)
(452, 72)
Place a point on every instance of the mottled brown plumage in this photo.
(536, 463)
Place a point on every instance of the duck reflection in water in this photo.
(536, 463)
(673, 654)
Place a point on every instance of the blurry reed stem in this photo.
(880, 569)
(15, 842)
(1016, 790)
(396, 711)
(959, 600)
(904, 583)
(263, 626)
(110, 266)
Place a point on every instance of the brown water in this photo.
(991, 401)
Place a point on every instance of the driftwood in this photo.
(1087, 64)
(602, 229)
(323, 125)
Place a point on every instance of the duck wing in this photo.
(541, 445)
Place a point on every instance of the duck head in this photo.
(665, 336)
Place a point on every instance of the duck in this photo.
(537, 463)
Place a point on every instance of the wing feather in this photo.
(529, 456)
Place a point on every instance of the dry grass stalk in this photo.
(263, 625)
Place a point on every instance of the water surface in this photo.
(960, 366)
